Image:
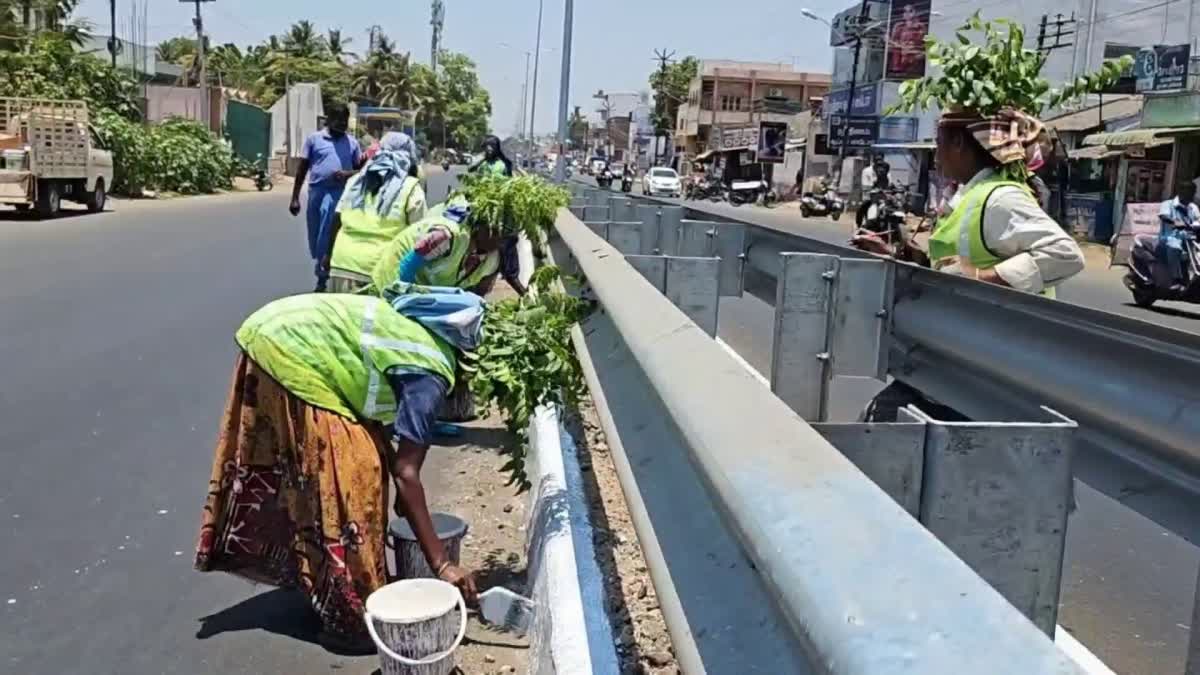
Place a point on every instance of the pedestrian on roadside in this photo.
(379, 202)
(329, 158)
(493, 162)
(296, 496)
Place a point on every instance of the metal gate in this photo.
(249, 130)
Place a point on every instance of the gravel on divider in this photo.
(643, 643)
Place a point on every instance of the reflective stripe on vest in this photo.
(958, 237)
(364, 233)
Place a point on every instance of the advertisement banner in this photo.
(906, 39)
(862, 132)
(772, 142)
(866, 101)
(1127, 83)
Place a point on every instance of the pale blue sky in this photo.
(614, 39)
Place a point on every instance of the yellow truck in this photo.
(48, 153)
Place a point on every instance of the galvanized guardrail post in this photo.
(801, 364)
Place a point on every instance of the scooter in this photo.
(823, 204)
(1149, 280)
(627, 183)
(262, 179)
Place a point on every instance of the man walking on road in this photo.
(330, 156)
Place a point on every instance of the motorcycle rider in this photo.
(1175, 215)
(878, 175)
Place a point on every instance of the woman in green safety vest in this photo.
(443, 249)
(995, 230)
(493, 162)
(296, 496)
(379, 202)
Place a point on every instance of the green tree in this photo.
(578, 126)
(337, 42)
(302, 40)
(176, 49)
(670, 87)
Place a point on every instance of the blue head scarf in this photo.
(389, 169)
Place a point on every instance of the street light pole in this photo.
(525, 95)
(537, 57)
(564, 92)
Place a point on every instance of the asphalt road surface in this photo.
(116, 348)
(1128, 582)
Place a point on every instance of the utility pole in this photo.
(112, 37)
(524, 98)
(287, 118)
(858, 41)
(438, 20)
(205, 112)
(662, 102)
(537, 57)
(564, 91)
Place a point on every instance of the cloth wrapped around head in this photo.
(1008, 136)
(385, 174)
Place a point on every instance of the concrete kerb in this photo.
(570, 633)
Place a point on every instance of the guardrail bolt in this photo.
(882, 314)
(823, 356)
(829, 276)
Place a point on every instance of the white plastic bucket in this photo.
(410, 560)
(414, 626)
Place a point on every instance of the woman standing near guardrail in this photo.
(996, 231)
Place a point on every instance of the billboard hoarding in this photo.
(909, 24)
(772, 142)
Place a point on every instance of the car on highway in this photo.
(661, 181)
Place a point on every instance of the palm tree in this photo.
(303, 41)
(175, 49)
(396, 83)
(337, 42)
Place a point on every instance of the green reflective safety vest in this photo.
(493, 168)
(958, 237)
(364, 233)
(333, 350)
(445, 271)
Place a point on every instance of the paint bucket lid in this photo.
(446, 525)
(412, 601)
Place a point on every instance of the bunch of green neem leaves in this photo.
(526, 360)
(522, 204)
(993, 73)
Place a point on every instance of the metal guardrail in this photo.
(996, 353)
(832, 575)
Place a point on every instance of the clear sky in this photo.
(614, 40)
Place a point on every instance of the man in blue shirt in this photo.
(1176, 216)
(330, 156)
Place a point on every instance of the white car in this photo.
(661, 181)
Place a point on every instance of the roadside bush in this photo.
(175, 156)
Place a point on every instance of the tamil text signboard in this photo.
(1161, 68)
(859, 132)
(739, 138)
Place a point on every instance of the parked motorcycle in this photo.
(262, 178)
(748, 192)
(1148, 278)
(826, 203)
(604, 179)
(705, 188)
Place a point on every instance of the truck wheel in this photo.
(97, 198)
(48, 199)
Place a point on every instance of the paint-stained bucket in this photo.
(410, 560)
(416, 625)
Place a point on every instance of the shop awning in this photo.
(916, 145)
(1146, 137)
(1093, 152)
